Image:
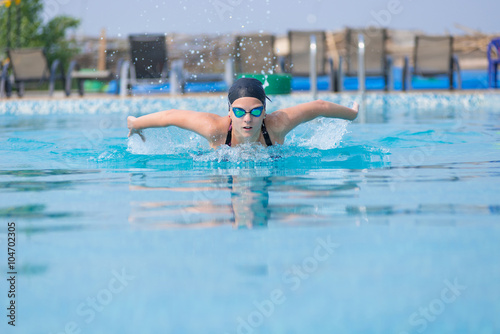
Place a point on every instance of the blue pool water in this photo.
(388, 224)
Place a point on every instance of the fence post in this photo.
(313, 76)
(361, 63)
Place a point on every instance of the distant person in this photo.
(247, 121)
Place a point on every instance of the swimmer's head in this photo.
(247, 87)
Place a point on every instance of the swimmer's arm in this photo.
(205, 124)
(289, 118)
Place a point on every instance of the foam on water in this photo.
(254, 154)
(322, 134)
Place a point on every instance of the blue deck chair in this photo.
(433, 56)
(493, 61)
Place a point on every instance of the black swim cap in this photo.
(247, 87)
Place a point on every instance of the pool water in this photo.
(388, 224)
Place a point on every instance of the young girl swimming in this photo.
(247, 121)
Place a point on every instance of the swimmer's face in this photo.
(247, 126)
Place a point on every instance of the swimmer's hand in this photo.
(355, 106)
(132, 129)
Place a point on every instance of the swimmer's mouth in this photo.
(247, 127)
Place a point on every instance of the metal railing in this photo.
(313, 75)
(361, 64)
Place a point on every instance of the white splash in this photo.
(321, 133)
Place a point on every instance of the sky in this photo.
(121, 18)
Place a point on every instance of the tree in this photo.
(33, 32)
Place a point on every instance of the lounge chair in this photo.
(432, 56)
(377, 61)
(30, 65)
(148, 53)
(148, 68)
(152, 69)
(254, 54)
(298, 60)
(199, 68)
(493, 61)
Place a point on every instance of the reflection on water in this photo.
(44, 172)
(424, 209)
(249, 186)
(242, 200)
(235, 200)
(35, 211)
(250, 198)
(250, 201)
(29, 269)
(33, 185)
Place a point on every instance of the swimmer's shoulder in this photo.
(276, 121)
(218, 129)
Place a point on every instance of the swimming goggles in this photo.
(256, 112)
